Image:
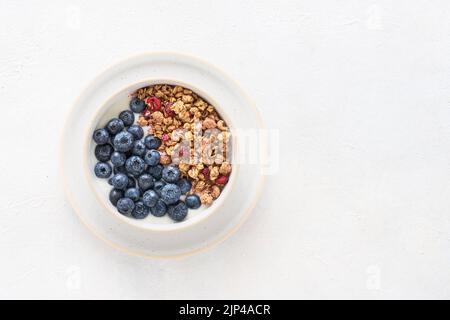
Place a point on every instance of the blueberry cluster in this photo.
(131, 163)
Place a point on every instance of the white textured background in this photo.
(360, 91)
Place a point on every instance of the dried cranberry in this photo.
(182, 152)
(154, 103)
(168, 110)
(146, 113)
(222, 180)
(165, 137)
(205, 172)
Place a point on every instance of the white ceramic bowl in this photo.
(103, 99)
(100, 187)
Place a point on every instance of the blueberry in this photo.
(118, 159)
(123, 141)
(158, 186)
(150, 198)
(140, 210)
(170, 193)
(156, 171)
(127, 117)
(110, 181)
(133, 193)
(159, 209)
(193, 201)
(103, 152)
(139, 148)
(136, 105)
(184, 184)
(101, 136)
(145, 182)
(102, 170)
(178, 211)
(170, 174)
(114, 126)
(120, 181)
(120, 169)
(152, 157)
(135, 165)
(131, 182)
(125, 205)
(152, 142)
(136, 131)
(115, 195)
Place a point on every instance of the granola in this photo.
(193, 135)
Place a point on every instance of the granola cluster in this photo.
(193, 136)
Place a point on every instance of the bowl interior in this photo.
(110, 109)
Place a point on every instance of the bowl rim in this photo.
(139, 223)
(74, 203)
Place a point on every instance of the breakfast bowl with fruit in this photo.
(151, 156)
